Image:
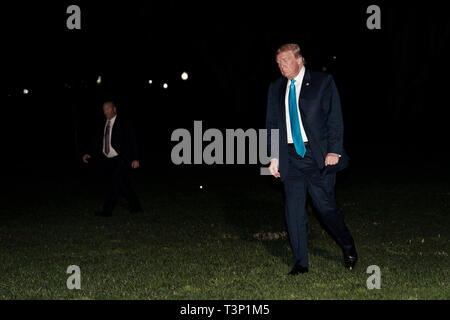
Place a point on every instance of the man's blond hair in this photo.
(295, 48)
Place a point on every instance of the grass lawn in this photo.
(194, 243)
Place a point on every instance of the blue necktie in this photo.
(295, 122)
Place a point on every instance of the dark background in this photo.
(393, 82)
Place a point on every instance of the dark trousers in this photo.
(116, 181)
(304, 176)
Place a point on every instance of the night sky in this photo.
(392, 82)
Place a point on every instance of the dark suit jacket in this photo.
(320, 109)
(123, 140)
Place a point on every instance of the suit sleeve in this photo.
(334, 122)
(271, 119)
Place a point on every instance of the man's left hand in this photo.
(135, 164)
(331, 159)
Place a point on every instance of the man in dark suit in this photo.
(305, 107)
(114, 146)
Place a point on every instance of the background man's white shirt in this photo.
(112, 153)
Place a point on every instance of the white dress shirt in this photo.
(298, 86)
(112, 153)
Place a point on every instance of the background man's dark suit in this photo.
(320, 110)
(116, 170)
(123, 140)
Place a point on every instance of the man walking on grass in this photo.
(305, 107)
(114, 146)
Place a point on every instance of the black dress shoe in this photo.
(298, 269)
(103, 214)
(350, 259)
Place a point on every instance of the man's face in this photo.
(109, 110)
(289, 65)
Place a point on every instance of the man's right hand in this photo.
(85, 158)
(273, 168)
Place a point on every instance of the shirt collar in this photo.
(300, 75)
(112, 120)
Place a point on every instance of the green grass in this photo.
(198, 243)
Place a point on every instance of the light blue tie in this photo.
(295, 122)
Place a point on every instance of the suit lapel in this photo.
(115, 128)
(304, 91)
(282, 103)
(306, 84)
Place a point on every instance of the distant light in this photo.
(334, 57)
(150, 81)
(184, 76)
(25, 91)
(201, 187)
(99, 79)
(165, 85)
(324, 69)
